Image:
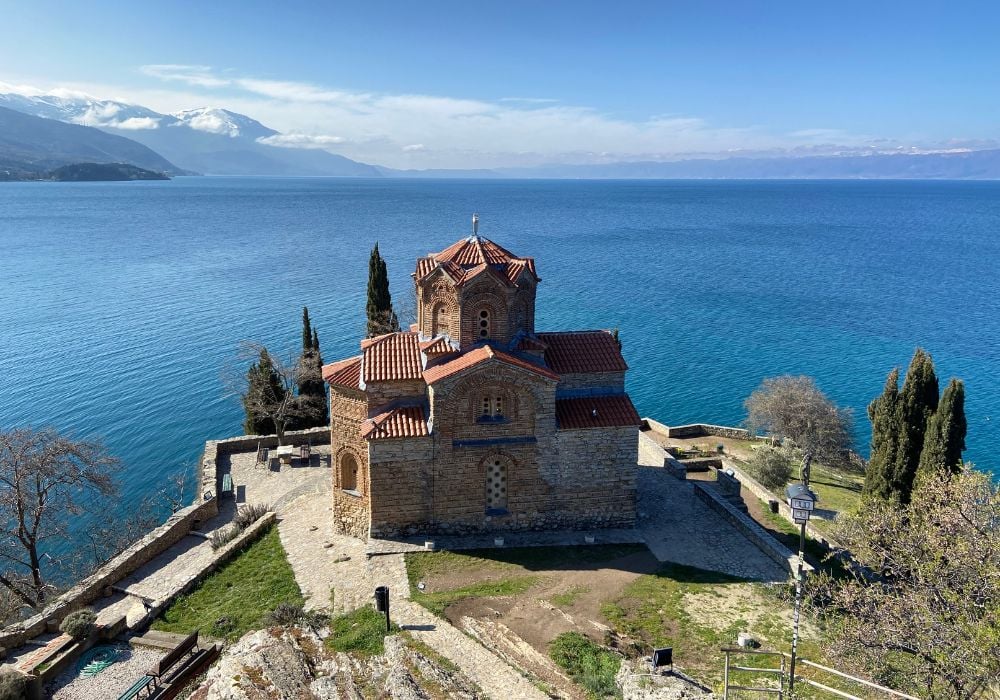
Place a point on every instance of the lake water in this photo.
(122, 304)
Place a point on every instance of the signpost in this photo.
(802, 501)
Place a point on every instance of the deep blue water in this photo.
(121, 304)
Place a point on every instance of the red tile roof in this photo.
(470, 256)
(596, 412)
(437, 346)
(582, 351)
(531, 343)
(475, 250)
(482, 354)
(401, 422)
(391, 357)
(346, 373)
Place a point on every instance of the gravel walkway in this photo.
(109, 683)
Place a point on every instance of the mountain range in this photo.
(31, 146)
(221, 142)
(206, 140)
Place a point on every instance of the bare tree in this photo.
(921, 611)
(267, 391)
(794, 408)
(46, 480)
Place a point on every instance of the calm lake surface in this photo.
(122, 304)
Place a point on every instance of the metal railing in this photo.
(781, 691)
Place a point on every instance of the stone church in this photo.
(472, 421)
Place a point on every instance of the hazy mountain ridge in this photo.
(31, 146)
(221, 142)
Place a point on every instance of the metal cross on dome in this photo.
(475, 224)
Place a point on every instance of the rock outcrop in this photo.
(293, 664)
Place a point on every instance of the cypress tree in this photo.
(917, 403)
(306, 330)
(883, 412)
(944, 440)
(315, 341)
(381, 317)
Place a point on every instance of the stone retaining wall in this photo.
(652, 455)
(706, 429)
(219, 557)
(92, 587)
(758, 489)
(748, 526)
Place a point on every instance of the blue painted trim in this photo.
(486, 442)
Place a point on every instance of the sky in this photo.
(487, 84)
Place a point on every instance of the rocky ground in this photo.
(293, 664)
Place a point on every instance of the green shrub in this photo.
(589, 664)
(250, 514)
(223, 536)
(11, 685)
(79, 624)
(771, 467)
(286, 614)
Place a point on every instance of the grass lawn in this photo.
(237, 597)
(361, 631)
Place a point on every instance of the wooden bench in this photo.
(170, 659)
(227, 484)
(304, 452)
(137, 687)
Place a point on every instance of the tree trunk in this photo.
(807, 459)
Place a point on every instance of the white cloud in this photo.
(200, 76)
(212, 123)
(301, 140)
(424, 131)
(138, 123)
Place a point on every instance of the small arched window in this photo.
(484, 323)
(349, 473)
(439, 320)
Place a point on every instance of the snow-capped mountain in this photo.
(221, 121)
(209, 140)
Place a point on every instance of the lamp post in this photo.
(802, 501)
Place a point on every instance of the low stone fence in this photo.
(748, 526)
(220, 557)
(211, 479)
(758, 489)
(652, 455)
(706, 429)
(93, 587)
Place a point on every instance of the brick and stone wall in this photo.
(554, 479)
(92, 587)
(348, 409)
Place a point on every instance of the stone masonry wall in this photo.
(571, 479)
(348, 409)
(91, 588)
(598, 473)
